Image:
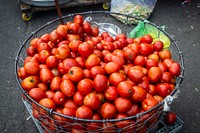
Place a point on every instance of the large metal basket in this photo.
(52, 121)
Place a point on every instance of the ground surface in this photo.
(182, 22)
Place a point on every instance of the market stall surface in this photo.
(181, 21)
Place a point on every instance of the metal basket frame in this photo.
(179, 79)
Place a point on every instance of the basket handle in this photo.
(59, 11)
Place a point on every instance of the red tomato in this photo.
(68, 112)
(139, 60)
(145, 83)
(124, 89)
(146, 49)
(92, 101)
(42, 86)
(134, 110)
(154, 57)
(78, 98)
(55, 83)
(43, 46)
(31, 68)
(118, 60)
(59, 98)
(135, 74)
(158, 98)
(175, 69)
(52, 61)
(100, 83)
(43, 55)
(21, 73)
(149, 103)
(69, 104)
(123, 123)
(67, 87)
(138, 93)
(61, 68)
(94, 31)
(73, 28)
(78, 19)
(29, 82)
(62, 52)
(123, 104)
(54, 37)
(166, 77)
(158, 45)
(84, 112)
(62, 30)
(154, 74)
(48, 103)
(68, 63)
(130, 54)
(96, 70)
(170, 118)
(111, 67)
(108, 110)
(31, 51)
(37, 94)
(80, 61)
(146, 39)
(168, 62)
(151, 63)
(73, 45)
(46, 75)
(163, 89)
(49, 94)
(86, 73)
(85, 49)
(85, 86)
(71, 37)
(152, 89)
(116, 78)
(91, 61)
(162, 66)
(75, 74)
(111, 93)
(94, 125)
(87, 28)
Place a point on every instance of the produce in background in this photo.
(78, 72)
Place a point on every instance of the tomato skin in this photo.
(91, 61)
(47, 102)
(49, 94)
(96, 70)
(170, 118)
(54, 37)
(108, 110)
(37, 94)
(75, 74)
(62, 52)
(111, 93)
(87, 28)
(85, 86)
(116, 78)
(149, 103)
(138, 93)
(134, 110)
(100, 83)
(94, 31)
(166, 77)
(78, 19)
(130, 54)
(146, 39)
(158, 45)
(163, 89)
(135, 74)
(62, 30)
(151, 63)
(165, 54)
(80, 61)
(124, 89)
(31, 68)
(67, 87)
(78, 98)
(68, 63)
(84, 112)
(43, 55)
(51, 61)
(85, 49)
(46, 75)
(124, 123)
(123, 104)
(92, 101)
(69, 104)
(94, 125)
(175, 69)
(111, 67)
(59, 98)
(146, 49)
(21, 73)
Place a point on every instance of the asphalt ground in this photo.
(181, 21)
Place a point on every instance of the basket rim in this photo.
(177, 86)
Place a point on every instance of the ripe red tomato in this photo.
(84, 112)
(170, 118)
(31, 68)
(37, 94)
(62, 30)
(49, 94)
(96, 70)
(46, 75)
(116, 78)
(75, 74)
(111, 67)
(69, 104)
(54, 37)
(73, 45)
(78, 98)
(124, 89)
(85, 49)
(59, 98)
(110, 93)
(154, 74)
(108, 110)
(43, 46)
(91, 61)
(158, 98)
(43, 55)
(85, 86)
(165, 54)
(118, 60)
(42, 86)
(146, 39)
(154, 56)
(146, 49)
(51, 61)
(68, 112)
(29, 82)
(21, 73)
(48, 103)
(138, 93)
(139, 60)
(134, 110)
(124, 123)
(152, 89)
(168, 62)
(166, 77)
(78, 19)
(73, 28)
(94, 31)
(92, 101)
(62, 52)
(130, 54)
(94, 125)
(163, 89)
(123, 104)
(100, 83)
(68, 63)
(175, 69)
(162, 66)
(31, 51)
(135, 74)
(80, 61)
(67, 87)
(151, 63)
(158, 45)
(87, 28)
(149, 103)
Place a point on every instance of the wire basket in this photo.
(52, 121)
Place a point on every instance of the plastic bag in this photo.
(144, 28)
(138, 8)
